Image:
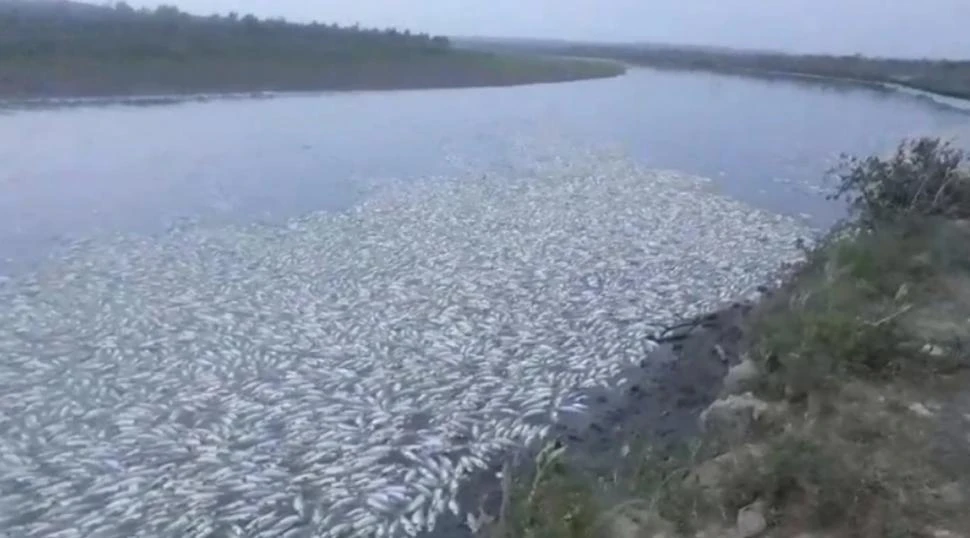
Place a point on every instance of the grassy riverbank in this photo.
(68, 49)
(847, 412)
(87, 77)
(945, 77)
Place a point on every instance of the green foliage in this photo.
(924, 178)
(551, 501)
(842, 357)
(848, 311)
(38, 30)
(842, 313)
(76, 49)
(840, 318)
(562, 500)
(793, 469)
(811, 480)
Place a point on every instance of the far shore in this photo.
(962, 103)
(944, 78)
(169, 81)
(73, 50)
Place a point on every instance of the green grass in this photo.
(864, 336)
(70, 76)
(836, 346)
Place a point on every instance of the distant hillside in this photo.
(54, 48)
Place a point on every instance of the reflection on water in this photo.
(75, 171)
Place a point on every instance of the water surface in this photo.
(69, 172)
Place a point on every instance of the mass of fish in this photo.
(340, 373)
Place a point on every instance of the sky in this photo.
(906, 28)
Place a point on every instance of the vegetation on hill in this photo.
(58, 48)
(948, 77)
(847, 415)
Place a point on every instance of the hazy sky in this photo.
(875, 27)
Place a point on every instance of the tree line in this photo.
(33, 30)
(944, 76)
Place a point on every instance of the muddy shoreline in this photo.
(657, 401)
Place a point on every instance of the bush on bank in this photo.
(849, 370)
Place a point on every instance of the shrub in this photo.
(924, 177)
(839, 316)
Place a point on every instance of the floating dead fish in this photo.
(340, 374)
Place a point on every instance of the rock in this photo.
(933, 351)
(751, 520)
(733, 417)
(741, 377)
(920, 409)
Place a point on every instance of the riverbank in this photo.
(92, 78)
(78, 50)
(656, 400)
(940, 77)
(845, 411)
(947, 78)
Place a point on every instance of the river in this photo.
(80, 171)
(353, 372)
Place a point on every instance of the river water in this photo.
(80, 171)
(352, 371)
